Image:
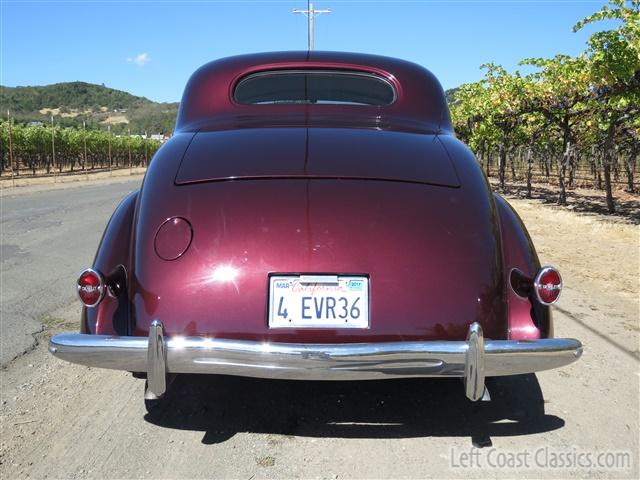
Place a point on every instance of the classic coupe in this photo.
(314, 217)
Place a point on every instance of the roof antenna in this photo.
(310, 13)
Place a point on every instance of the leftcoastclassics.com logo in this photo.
(540, 459)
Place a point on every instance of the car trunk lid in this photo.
(299, 152)
(431, 255)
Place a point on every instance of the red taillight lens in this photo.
(91, 287)
(548, 285)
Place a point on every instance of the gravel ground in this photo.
(60, 420)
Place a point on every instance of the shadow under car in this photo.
(220, 406)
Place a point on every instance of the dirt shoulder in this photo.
(27, 185)
(579, 200)
(596, 254)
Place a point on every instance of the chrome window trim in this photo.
(352, 73)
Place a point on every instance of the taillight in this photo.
(91, 287)
(547, 285)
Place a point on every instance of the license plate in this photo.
(318, 301)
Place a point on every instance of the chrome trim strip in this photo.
(156, 360)
(310, 71)
(322, 279)
(299, 361)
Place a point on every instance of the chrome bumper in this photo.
(472, 360)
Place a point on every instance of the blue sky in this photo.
(150, 48)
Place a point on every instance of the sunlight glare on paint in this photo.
(224, 274)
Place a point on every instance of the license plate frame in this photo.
(288, 309)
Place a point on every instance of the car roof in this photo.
(208, 103)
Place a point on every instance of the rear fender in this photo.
(528, 319)
(113, 316)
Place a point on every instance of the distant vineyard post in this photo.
(109, 137)
(84, 141)
(10, 145)
(129, 148)
(53, 145)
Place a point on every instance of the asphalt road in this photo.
(60, 420)
(46, 238)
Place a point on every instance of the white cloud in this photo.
(141, 59)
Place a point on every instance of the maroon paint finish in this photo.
(312, 152)
(386, 192)
(112, 315)
(528, 318)
(207, 100)
(319, 225)
(173, 238)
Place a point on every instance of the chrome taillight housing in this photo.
(547, 285)
(91, 287)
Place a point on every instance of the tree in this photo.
(614, 75)
(559, 91)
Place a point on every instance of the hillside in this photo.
(72, 103)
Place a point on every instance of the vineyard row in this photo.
(43, 150)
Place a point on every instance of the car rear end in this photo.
(338, 232)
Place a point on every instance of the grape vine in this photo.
(39, 149)
(571, 119)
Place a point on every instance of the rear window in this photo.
(314, 87)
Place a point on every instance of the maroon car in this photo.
(315, 217)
